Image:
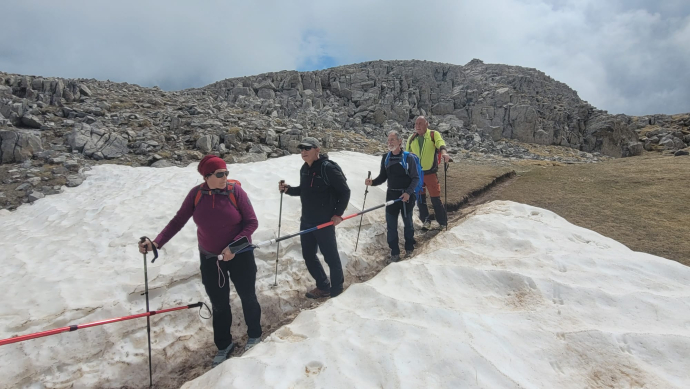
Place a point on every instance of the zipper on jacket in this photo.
(312, 180)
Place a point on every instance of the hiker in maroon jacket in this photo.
(222, 213)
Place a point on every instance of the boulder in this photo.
(33, 196)
(251, 157)
(74, 180)
(670, 142)
(207, 143)
(633, 149)
(19, 145)
(162, 163)
(31, 121)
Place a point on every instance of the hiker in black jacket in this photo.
(324, 194)
(402, 177)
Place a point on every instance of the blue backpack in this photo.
(403, 162)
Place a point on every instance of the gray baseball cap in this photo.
(310, 142)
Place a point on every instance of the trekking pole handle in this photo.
(153, 246)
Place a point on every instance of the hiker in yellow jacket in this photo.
(427, 144)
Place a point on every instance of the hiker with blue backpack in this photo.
(403, 172)
(222, 213)
(324, 195)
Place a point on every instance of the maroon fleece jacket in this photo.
(217, 220)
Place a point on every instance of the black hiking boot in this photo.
(335, 292)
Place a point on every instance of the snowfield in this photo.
(514, 296)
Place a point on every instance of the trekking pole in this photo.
(75, 327)
(320, 226)
(280, 216)
(362, 217)
(445, 190)
(404, 207)
(146, 292)
(324, 225)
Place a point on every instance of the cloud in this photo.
(624, 56)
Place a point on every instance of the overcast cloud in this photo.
(624, 56)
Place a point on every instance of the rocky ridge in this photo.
(52, 129)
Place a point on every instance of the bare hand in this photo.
(145, 247)
(405, 197)
(283, 187)
(446, 158)
(368, 182)
(336, 220)
(227, 255)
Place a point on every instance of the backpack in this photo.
(229, 191)
(403, 162)
(438, 155)
(323, 171)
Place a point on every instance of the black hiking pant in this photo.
(242, 271)
(392, 213)
(439, 210)
(324, 239)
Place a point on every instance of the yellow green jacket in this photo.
(427, 156)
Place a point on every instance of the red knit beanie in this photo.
(210, 164)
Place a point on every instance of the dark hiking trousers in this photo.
(242, 271)
(325, 240)
(392, 213)
(439, 210)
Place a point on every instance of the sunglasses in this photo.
(305, 148)
(219, 174)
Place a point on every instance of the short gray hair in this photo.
(396, 133)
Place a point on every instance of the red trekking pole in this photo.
(75, 327)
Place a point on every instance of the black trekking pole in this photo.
(280, 216)
(366, 190)
(445, 190)
(404, 207)
(146, 292)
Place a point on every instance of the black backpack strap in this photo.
(323, 172)
(324, 175)
(219, 192)
(410, 140)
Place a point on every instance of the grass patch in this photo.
(466, 180)
(641, 202)
(145, 123)
(121, 105)
(645, 130)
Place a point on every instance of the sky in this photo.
(623, 56)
